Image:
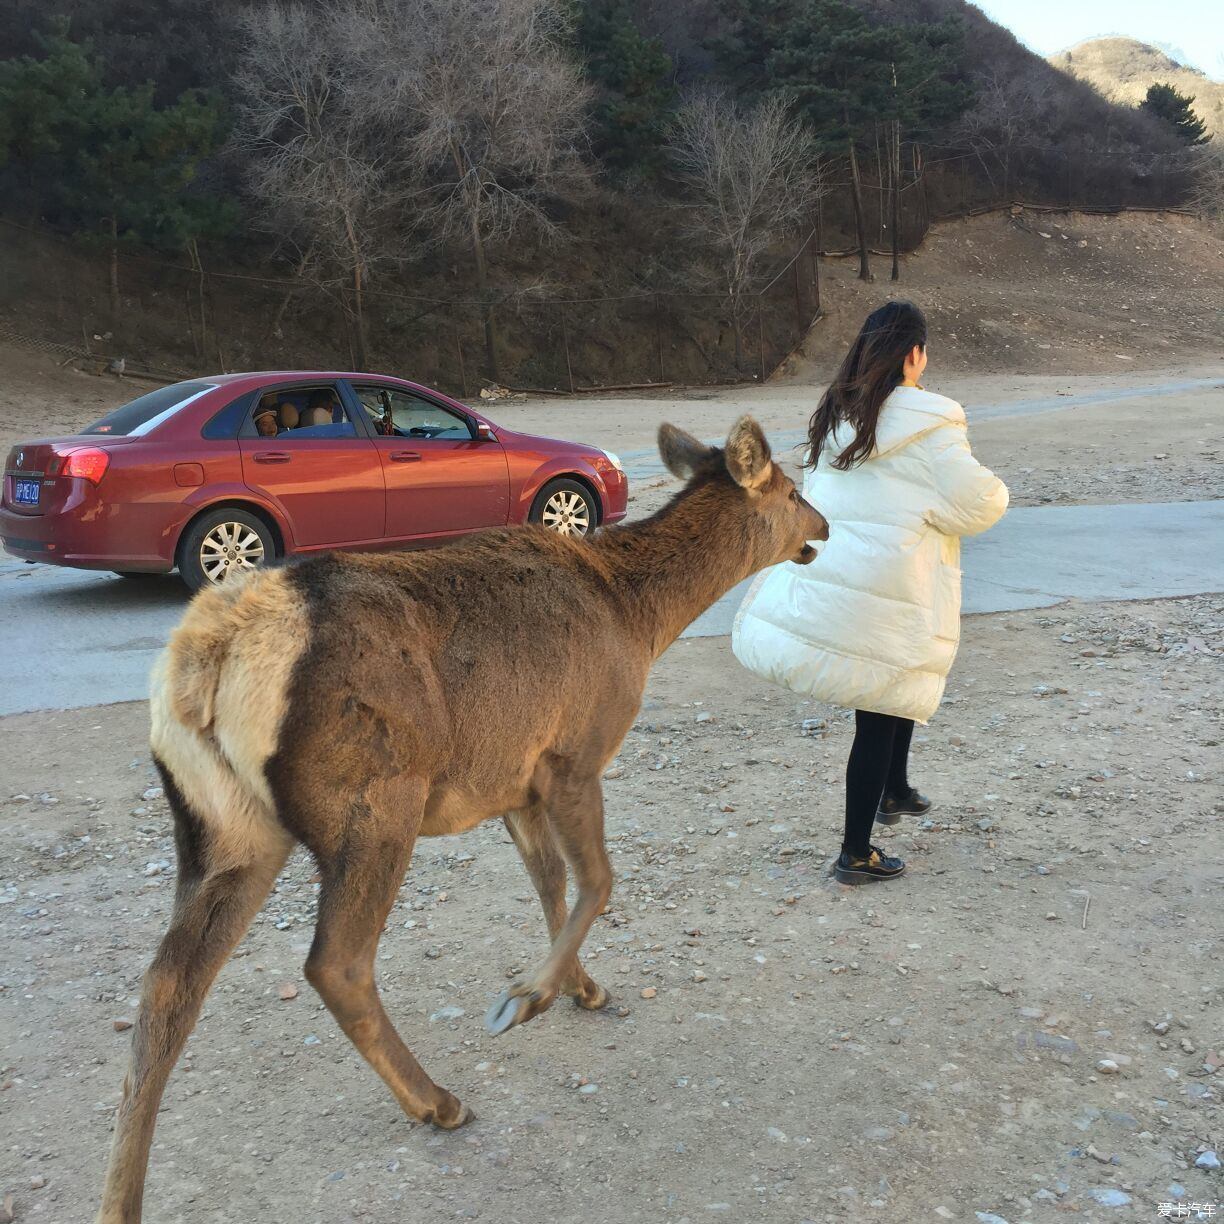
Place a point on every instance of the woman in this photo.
(873, 623)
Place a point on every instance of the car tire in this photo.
(566, 507)
(221, 543)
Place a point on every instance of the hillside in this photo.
(1123, 68)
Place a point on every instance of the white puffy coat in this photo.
(873, 623)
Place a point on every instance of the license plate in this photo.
(25, 492)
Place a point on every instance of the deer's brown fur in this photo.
(354, 703)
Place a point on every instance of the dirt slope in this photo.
(1123, 68)
(1043, 293)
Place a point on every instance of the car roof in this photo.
(293, 375)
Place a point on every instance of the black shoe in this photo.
(909, 804)
(876, 866)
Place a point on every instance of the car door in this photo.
(441, 478)
(319, 466)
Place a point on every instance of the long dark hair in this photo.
(871, 369)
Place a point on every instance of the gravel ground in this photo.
(1027, 1025)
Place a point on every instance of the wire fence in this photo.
(176, 319)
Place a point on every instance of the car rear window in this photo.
(144, 413)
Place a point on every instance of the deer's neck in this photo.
(670, 568)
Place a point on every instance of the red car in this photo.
(226, 473)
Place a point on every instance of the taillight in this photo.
(89, 464)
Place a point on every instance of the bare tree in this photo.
(1207, 184)
(751, 177)
(493, 107)
(1005, 119)
(314, 158)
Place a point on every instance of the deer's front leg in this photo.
(574, 811)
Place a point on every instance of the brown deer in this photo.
(356, 702)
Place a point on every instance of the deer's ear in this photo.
(748, 456)
(682, 453)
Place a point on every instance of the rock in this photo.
(649, 992)
(37, 1182)
(1187, 1045)
(446, 1013)
(989, 1217)
(121, 1026)
(589, 1089)
(699, 975)
(1107, 1196)
(433, 953)
(704, 717)
(311, 1040)
(1161, 1027)
(945, 1213)
(287, 991)
(613, 772)
(1107, 1066)
(1208, 1160)
(154, 792)
(986, 824)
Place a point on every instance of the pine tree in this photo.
(634, 76)
(1174, 108)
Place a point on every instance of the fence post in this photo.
(760, 338)
(569, 369)
(463, 382)
(659, 335)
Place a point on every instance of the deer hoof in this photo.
(594, 999)
(465, 1115)
(504, 1013)
(516, 1006)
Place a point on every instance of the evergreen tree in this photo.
(633, 75)
(1174, 108)
(106, 160)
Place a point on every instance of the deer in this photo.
(352, 703)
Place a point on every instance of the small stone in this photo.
(1107, 1196)
(1051, 917)
(945, 1213)
(287, 991)
(1208, 1160)
(613, 772)
(986, 823)
(1187, 1045)
(989, 1217)
(37, 1182)
(1161, 1027)
(311, 1040)
(154, 792)
(704, 717)
(447, 1013)
(589, 1089)
(433, 953)
(699, 975)
(1107, 1066)
(649, 992)
(121, 1026)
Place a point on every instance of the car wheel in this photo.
(566, 507)
(222, 543)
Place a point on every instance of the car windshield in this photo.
(144, 413)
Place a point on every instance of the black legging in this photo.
(877, 767)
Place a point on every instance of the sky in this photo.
(1191, 31)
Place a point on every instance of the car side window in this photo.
(400, 414)
(298, 413)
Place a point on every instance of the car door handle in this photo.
(405, 456)
(271, 457)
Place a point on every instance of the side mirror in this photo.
(484, 432)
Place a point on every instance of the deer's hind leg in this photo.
(574, 809)
(538, 848)
(362, 872)
(215, 899)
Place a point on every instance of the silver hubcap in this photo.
(566, 513)
(227, 548)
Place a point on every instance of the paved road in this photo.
(1039, 556)
(74, 638)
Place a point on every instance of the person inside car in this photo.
(320, 408)
(267, 419)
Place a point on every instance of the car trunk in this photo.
(32, 470)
